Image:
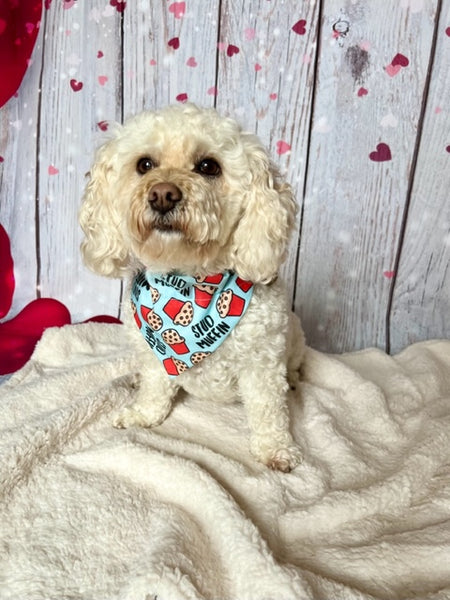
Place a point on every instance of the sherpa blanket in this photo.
(183, 511)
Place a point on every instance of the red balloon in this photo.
(19, 27)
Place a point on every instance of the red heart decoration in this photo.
(19, 336)
(174, 43)
(362, 92)
(19, 27)
(401, 60)
(231, 50)
(7, 282)
(382, 153)
(182, 98)
(103, 125)
(299, 27)
(76, 85)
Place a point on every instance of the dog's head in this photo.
(185, 189)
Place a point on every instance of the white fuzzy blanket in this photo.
(183, 511)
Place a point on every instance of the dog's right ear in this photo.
(103, 249)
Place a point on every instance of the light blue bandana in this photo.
(183, 318)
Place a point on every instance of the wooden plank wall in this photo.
(352, 98)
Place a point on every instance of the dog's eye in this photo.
(144, 165)
(208, 167)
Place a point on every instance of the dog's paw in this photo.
(134, 417)
(284, 459)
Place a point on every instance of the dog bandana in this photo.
(184, 319)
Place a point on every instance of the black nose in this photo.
(163, 197)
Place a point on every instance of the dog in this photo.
(190, 208)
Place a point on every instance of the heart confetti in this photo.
(102, 79)
(232, 50)
(362, 92)
(381, 154)
(191, 62)
(178, 9)
(103, 125)
(398, 62)
(299, 27)
(76, 85)
(282, 147)
(174, 43)
(182, 98)
(52, 170)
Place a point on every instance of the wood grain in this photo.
(322, 83)
(267, 86)
(168, 58)
(18, 179)
(421, 299)
(354, 205)
(68, 131)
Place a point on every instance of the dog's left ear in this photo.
(260, 239)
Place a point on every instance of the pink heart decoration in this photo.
(100, 54)
(174, 43)
(389, 274)
(392, 70)
(102, 79)
(381, 154)
(178, 9)
(282, 147)
(400, 59)
(273, 96)
(232, 50)
(299, 27)
(191, 62)
(447, 31)
(76, 85)
(362, 92)
(212, 91)
(249, 34)
(258, 67)
(52, 170)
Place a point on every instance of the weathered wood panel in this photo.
(322, 83)
(421, 300)
(18, 177)
(371, 77)
(81, 82)
(267, 53)
(169, 54)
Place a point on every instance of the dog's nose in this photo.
(163, 197)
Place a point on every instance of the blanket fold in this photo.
(184, 511)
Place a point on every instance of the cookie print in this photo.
(185, 319)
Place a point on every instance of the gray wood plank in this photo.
(421, 299)
(267, 85)
(169, 56)
(369, 91)
(80, 88)
(18, 149)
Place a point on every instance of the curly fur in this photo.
(239, 220)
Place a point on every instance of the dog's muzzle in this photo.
(164, 197)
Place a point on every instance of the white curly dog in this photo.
(180, 200)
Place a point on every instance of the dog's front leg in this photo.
(153, 401)
(264, 394)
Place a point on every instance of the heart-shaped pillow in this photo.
(19, 27)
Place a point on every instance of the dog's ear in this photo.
(103, 248)
(260, 239)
